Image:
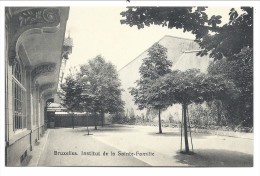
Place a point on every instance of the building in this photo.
(182, 52)
(34, 52)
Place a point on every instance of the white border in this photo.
(129, 171)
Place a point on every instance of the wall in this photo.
(66, 120)
(33, 45)
(182, 53)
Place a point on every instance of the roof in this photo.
(179, 49)
(55, 105)
(175, 46)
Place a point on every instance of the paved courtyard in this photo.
(125, 145)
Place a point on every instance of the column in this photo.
(29, 103)
(37, 105)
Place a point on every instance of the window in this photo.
(19, 120)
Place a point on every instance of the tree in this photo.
(220, 40)
(147, 94)
(238, 69)
(104, 86)
(192, 86)
(230, 41)
(231, 38)
(70, 95)
(182, 88)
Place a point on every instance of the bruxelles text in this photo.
(105, 153)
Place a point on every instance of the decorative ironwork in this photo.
(36, 16)
(19, 20)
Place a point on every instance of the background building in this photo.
(34, 52)
(182, 52)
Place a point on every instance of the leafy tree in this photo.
(182, 88)
(213, 37)
(229, 39)
(216, 109)
(132, 116)
(104, 86)
(192, 86)
(238, 69)
(232, 41)
(70, 95)
(171, 118)
(147, 94)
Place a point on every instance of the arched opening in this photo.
(48, 117)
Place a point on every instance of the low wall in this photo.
(225, 133)
(70, 120)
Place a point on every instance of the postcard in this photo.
(129, 85)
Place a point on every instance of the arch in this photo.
(29, 21)
(42, 69)
(46, 87)
(48, 95)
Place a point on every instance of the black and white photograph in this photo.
(164, 86)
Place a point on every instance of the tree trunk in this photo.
(102, 119)
(184, 106)
(219, 113)
(87, 116)
(160, 125)
(73, 121)
(242, 112)
(95, 121)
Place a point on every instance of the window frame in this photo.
(18, 98)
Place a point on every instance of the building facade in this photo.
(182, 52)
(34, 52)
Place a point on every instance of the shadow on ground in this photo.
(216, 158)
(174, 134)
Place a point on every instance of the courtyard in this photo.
(128, 145)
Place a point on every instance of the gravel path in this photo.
(125, 145)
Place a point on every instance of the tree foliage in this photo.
(192, 86)
(102, 83)
(147, 93)
(232, 42)
(220, 40)
(230, 38)
(70, 94)
(238, 69)
(183, 87)
(95, 89)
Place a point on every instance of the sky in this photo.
(97, 30)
